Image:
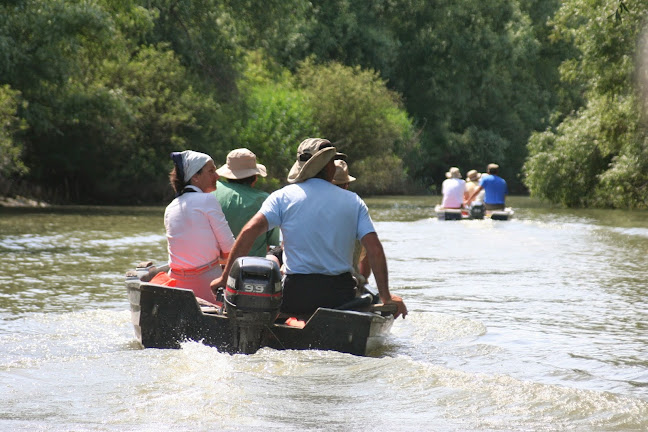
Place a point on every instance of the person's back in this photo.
(192, 240)
(238, 198)
(472, 183)
(453, 189)
(198, 235)
(318, 234)
(495, 188)
(239, 203)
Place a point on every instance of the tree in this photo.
(10, 125)
(103, 112)
(466, 71)
(364, 119)
(604, 140)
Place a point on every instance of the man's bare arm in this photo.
(378, 263)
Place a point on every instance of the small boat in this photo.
(249, 317)
(475, 211)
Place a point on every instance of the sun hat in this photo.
(189, 162)
(453, 173)
(342, 173)
(473, 175)
(241, 163)
(312, 155)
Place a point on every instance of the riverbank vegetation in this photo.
(95, 94)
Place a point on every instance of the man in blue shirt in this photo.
(320, 223)
(494, 187)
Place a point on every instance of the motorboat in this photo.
(249, 317)
(476, 211)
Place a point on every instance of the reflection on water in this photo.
(538, 323)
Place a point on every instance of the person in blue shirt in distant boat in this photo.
(495, 189)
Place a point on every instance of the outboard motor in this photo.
(252, 299)
(477, 210)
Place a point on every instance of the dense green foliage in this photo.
(10, 148)
(95, 94)
(598, 154)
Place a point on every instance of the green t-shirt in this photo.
(239, 203)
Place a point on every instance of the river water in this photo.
(534, 324)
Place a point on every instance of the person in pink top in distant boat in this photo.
(472, 183)
(197, 232)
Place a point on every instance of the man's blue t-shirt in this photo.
(320, 223)
(495, 188)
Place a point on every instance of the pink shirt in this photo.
(196, 230)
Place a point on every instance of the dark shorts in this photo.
(304, 293)
(494, 206)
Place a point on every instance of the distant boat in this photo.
(476, 211)
(249, 316)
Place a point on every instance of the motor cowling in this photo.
(252, 299)
(477, 210)
(253, 285)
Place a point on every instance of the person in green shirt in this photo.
(240, 200)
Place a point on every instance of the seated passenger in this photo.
(197, 233)
(472, 182)
(240, 200)
(361, 268)
(495, 189)
(453, 189)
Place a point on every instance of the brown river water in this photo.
(539, 323)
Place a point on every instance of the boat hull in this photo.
(463, 214)
(164, 317)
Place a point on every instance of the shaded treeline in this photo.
(95, 94)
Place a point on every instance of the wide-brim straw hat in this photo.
(241, 163)
(453, 173)
(473, 175)
(342, 173)
(312, 155)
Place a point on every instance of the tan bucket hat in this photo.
(453, 173)
(241, 163)
(342, 173)
(312, 155)
(473, 175)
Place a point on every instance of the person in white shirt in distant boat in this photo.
(453, 189)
